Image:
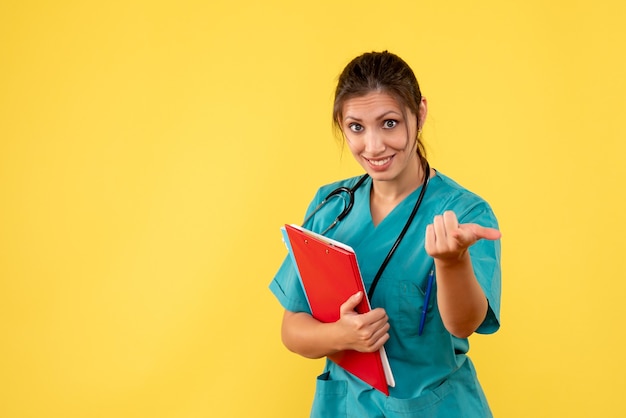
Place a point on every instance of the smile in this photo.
(379, 162)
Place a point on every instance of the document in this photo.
(330, 274)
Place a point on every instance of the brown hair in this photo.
(383, 72)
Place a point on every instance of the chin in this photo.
(381, 176)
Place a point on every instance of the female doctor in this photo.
(408, 223)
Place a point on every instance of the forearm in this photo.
(462, 302)
(305, 335)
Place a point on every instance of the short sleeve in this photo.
(287, 288)
(286, 285)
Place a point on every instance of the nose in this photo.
(374, 142)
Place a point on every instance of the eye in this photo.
(390, 123)
(355, 127)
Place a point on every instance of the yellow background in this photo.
(149, 152)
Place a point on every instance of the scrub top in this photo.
(433, 375)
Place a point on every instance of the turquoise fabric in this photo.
(434, 377)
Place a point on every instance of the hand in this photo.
(448, 241)
(362, 332)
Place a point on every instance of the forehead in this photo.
(371, 104)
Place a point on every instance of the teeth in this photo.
(380, 162)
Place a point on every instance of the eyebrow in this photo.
(381, 117)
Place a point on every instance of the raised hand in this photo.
(447, 240)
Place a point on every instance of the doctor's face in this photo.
(381, 134)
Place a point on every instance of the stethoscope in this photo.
(342, 191)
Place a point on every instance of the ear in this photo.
(423, 111)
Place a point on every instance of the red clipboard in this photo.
(330, 274)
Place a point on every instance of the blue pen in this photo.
(429, 287)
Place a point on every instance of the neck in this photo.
(401, 187)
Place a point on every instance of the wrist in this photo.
(453, 263)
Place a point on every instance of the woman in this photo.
(450, 231)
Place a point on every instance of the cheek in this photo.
(399, 140)
(355, 146)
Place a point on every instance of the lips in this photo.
(379, 163)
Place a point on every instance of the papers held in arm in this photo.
(329, 273)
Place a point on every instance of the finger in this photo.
(349, 305)
(429, 240)
(450, 220)
(451, 224)
(379, 338)
(382, 341)
(440, 231)
(376, 340)
(376, 315)
(482, 232)
(376, 318)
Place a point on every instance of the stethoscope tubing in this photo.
(345, 211)
(370, 292)
(348, 208)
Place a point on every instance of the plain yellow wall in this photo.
(149, 152)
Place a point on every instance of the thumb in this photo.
(482, 232)
(349, 305)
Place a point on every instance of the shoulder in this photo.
(465, 203)
(348, 183)
(338, 189)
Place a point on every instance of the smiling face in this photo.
(381, 134)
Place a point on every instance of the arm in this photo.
(305, 335)
(462, 302)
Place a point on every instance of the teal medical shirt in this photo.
(434, 377)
